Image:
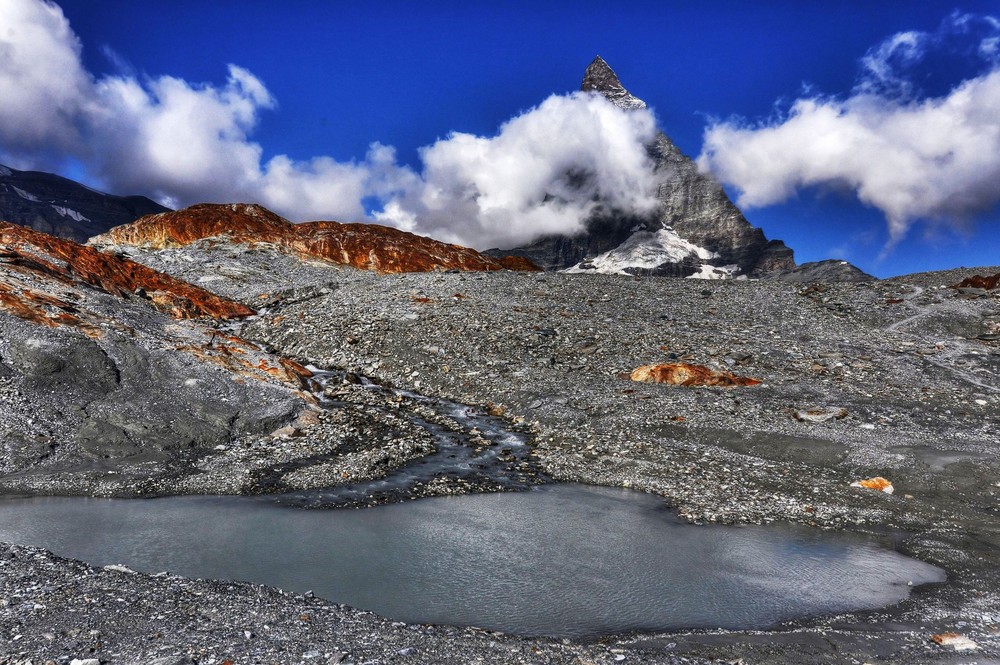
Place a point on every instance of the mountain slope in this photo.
(366, 246)
(113, 379)
(61, 207)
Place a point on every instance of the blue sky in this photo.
(340, 76)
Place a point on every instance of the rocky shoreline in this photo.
(910, 365)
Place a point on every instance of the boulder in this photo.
(685, 374)
(877, 483)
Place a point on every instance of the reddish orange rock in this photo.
(245, 359)
(956, 641)
(685, 374)
(979, 282)
(28, 251)
(877, 483)
(366, 246)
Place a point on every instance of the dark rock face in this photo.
(60, 207)
(830, 270)
(698, 209)
(599, 77)
(74, 364)
(692, 203)
(604, 233)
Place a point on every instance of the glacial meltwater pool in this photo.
(559, 560)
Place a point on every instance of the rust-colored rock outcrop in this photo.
(979, 282)
(518, 264)
(877, 483)
(36, 255)
(685, 374)
(47, 281)
(366, 246)
(246, 359)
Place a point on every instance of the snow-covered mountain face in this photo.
(696, 231)
(656, 252)
(64, 208)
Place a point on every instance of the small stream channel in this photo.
(501, 461)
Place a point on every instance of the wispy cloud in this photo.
(911, 155)
(543, 172)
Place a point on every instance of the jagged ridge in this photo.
(36, 254)
(365, 246)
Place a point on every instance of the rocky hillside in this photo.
(737, 401)
(60, 262)
(697, 231)
(366, 246)
(64, 208)
(111, 380)
(831, 270)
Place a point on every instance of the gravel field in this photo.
(907, 373)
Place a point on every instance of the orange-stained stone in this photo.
(877, 483)
(956, 641)
(26, 250)
(366, 246)
(979, 282)
(518, 263)
(685, 374)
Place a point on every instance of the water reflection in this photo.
(561, 560)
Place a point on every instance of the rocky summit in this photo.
(696, 230)
(600, 78)
(64, 208)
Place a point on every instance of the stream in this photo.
(559, 560)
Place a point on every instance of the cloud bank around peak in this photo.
(545, 172)
(182, 142)
(912, 154)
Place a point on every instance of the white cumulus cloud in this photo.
(913, 157)
(190, 142)
(544, 171)
(42, 83)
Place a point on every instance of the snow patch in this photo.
(69, 212)
(27, 196)
(715, 272)
(644, 250)
(4, 171)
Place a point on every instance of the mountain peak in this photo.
(599, 77)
